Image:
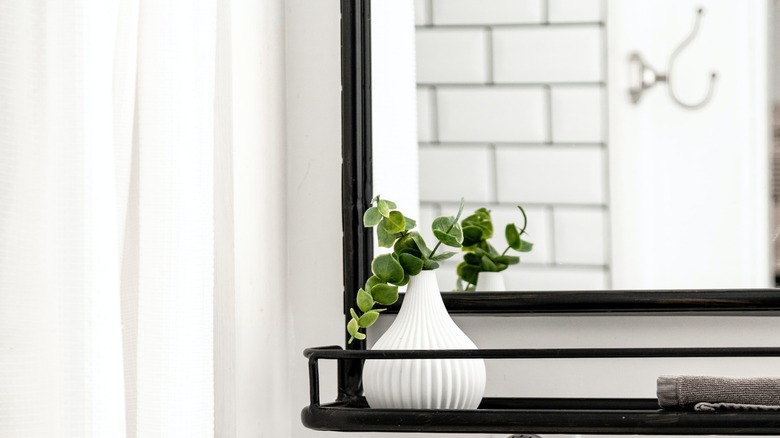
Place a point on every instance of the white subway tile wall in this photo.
(425, 113)
(547, 54)
(580, 234)
(487, 12)
(511, 111)
(551, 174)
(575, 11)
(454, 172)
(451, 55)
(422, 12)
(492, 114)
(577, 114)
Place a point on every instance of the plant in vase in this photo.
(421, 323)
(481, 260)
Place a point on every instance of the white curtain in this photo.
(115, 119)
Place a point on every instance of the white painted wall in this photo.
(690, 190)
(314, 277)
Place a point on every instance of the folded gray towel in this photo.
(704, 393)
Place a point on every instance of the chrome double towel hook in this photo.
(644, 77)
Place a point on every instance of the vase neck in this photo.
(423, 287)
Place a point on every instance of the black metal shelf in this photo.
(542, 416)
(534, 415)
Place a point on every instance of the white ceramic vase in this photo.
(490, 282)
(423, 323)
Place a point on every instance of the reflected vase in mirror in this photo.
(423, 323)
(491, 282)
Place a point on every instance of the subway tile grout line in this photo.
(546, 12)
(489, 58)
(429, 5)
(580, 206)
(493, 84)
(551, 234)
(510, 25)
(434, 114)
(477, 143)
(548, 102)
(493, 183)
(605, 138)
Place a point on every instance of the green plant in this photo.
(480, 255)
(409, 257)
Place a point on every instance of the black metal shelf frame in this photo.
(534, 415)
(350, 411)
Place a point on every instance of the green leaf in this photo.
(454, 240)
(418, 239)
(468, 273)
(443, 256)
(384, 207)
(507, 260)
(405, 281)
(394, 222)
(368, 319)
(443, 224)
(385, 294)
(371, 217)
(472, 258)
(471, 235)
(513, 237)
(410, 223)
(412, 265)
(385, 239)
(406, 244)
(525, 246)
(430, 265)
(500, 267)
(372, 280)
(480, 219)
(390, 204)
(387, 269)
(359, 336)
(352, 327)
(353, 313)
(460, 209)
(488, 265)
(364, 301)
(525, 220)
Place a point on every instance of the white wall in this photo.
(315, 278)
(690, 189)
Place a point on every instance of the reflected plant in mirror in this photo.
(480, 256)
(410, 255)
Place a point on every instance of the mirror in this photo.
(528, 102)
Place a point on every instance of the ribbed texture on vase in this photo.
(423, 323)
(490, 282)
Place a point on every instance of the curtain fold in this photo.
(124, 216)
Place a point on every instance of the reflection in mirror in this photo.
(527, 102)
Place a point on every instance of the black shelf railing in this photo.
(534, 415)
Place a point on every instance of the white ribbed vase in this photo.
(490, 282)
(423, 323)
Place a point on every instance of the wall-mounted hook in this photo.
(643, 76)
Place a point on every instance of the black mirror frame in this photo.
(356, 170)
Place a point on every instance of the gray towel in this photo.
(704, 393)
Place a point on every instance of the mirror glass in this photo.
(637, 135)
